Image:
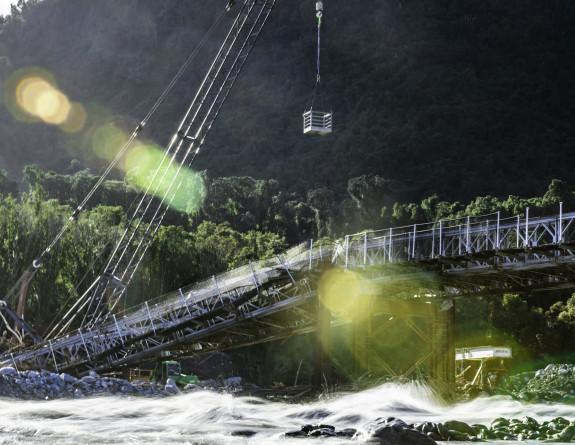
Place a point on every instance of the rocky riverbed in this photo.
(554, 383)
(392, 431)
(45, 385)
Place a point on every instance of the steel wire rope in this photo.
(161, 172)
(53, 325)
(134, 134)
(169, 190)
(37, 263)
(318, 91)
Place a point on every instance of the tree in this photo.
(370, 193)
(321, 201)
(7, 186)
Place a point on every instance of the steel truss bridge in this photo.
(278, 297)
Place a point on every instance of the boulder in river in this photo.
(393, 431)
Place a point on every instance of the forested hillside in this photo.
(459, 98)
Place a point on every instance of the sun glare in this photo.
(32, 96)
(39, 98)
(107, 141)
(181, 188)
(342, 292)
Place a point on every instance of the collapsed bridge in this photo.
(414, 271)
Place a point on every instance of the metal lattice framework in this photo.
(274, 298)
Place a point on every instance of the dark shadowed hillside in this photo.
(460, 98)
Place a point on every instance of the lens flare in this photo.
(107, 141)
(181, 188)
(39, 98)
(76, 118)
(342, 292)
(31, 95)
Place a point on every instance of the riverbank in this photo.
(46, 385)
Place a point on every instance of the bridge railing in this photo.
(204, 296)
(452, 238)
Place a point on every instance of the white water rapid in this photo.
(211, 418)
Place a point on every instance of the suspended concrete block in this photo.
(317, 122)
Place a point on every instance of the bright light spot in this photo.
(341, 292)
(107, 141)
(39, 98)
(181, 188)
(31, 95)
(75, 120)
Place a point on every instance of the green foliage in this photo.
(222, 248)
(7, 186)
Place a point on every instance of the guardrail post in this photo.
(310, 252)
(413, 246)
(390, 243)
(53, 356)
(440, 238)
(287, 270)
(185, 304)
(218, 288)
(497, 235)
(364, 248)
(118, 328)
(84, 343)
(518, 233)
(467, 249)
(150, 315)
(14, 361)
(526, 243)
(560, 222)
(346, 249)
(254, 277)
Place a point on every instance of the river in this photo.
(212, 418)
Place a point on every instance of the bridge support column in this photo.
(361, 345)
(406, 338)
(322, 368)
(442, 363)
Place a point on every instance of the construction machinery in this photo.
(172, 370)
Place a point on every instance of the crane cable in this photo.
(319, 14)
(37, 263)
(317, 89)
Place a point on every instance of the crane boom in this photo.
(182, 149)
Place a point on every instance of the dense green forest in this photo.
(441, 109)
